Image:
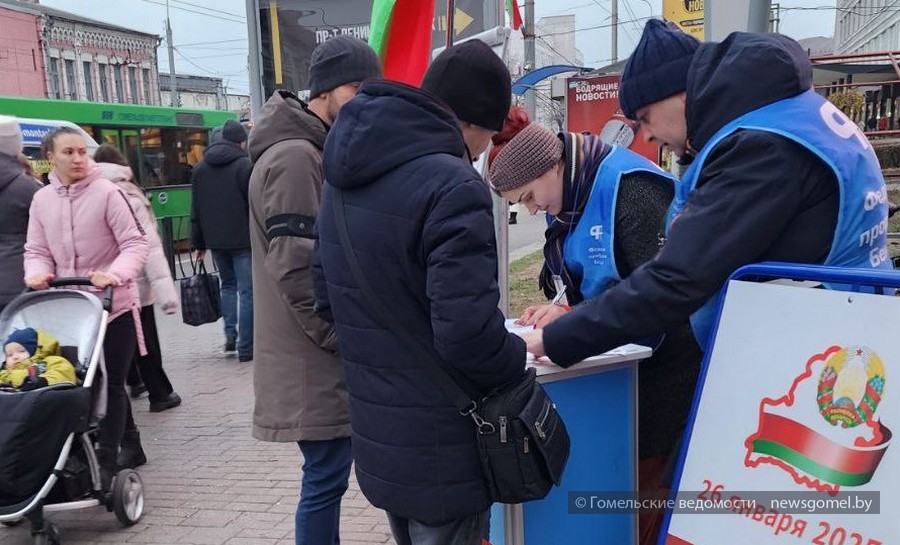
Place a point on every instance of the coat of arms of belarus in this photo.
(825, 432)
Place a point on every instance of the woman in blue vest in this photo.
(609, 208)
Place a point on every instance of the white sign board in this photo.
(800, 395)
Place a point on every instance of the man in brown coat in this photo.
(298, 378)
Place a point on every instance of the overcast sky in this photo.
(213, 41)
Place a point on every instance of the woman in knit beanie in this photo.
(608, 208)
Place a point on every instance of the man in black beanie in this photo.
(776, 173)
(300, 395)
(420, 224)
(472, 80)
(219, 223)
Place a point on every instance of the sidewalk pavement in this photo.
(208, 482)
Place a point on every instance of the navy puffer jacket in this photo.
(421, 226)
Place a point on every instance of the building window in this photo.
(117, 76)
(55, 91)
(132, 84)
(71, 93)
(104, 85)
(148, 97)
(88, 82)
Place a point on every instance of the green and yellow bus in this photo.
(162, 144)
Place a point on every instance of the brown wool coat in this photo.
(297, 376)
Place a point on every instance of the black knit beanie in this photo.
(471, 79)
(340, 60)
(658, 67)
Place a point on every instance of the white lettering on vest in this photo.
(840, 125)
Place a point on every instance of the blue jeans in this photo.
(326, 471)
(235, 273)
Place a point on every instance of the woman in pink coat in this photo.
(82, 225)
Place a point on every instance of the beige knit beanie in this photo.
(529, 154)
(10, 136)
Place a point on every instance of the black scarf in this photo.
(582, 154)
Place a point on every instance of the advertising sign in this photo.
(687, 14)
(795, 414)
(592, 105)
(291, 29)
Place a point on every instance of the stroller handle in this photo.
(84, 281)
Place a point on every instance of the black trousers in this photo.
(149, 368)
(119, 349)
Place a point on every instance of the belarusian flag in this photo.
(515, 17)
(401, 36)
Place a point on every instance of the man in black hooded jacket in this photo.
(220, 221)
(775, 167)
(420, 224)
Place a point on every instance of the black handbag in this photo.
(522, 440)
(201, 302)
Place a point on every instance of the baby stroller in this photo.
(48, 436)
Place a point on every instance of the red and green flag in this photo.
(515, 16)
(401, 36)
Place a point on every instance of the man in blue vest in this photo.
(774, 173)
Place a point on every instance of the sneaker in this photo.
(169, 403)
(137, 390)
(230, 346)
(244, 358)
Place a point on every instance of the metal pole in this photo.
(530, 100)
(451, 19)
(758, 16)
(615, 31)
(254, 59)
(173, 92)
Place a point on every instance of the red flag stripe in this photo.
(817, 447)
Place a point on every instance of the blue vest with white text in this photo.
(860, 239)
(588, 249)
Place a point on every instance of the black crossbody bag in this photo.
(522, 440)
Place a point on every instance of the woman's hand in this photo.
(541, 315)
(102, 279)
(40, 281)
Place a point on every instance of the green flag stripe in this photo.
(380, 26)
(815, 469)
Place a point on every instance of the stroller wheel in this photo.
(128, 497)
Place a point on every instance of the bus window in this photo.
(169, 155)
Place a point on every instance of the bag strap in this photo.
(465, 404)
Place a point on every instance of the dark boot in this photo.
(512, 218)
(107, 460)
(131, 454)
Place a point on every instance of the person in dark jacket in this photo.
(16, 191)
(421, 226)
(300, 392)
(776, 174)
(220, 222)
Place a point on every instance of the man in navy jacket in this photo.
(421, 226)
(775, 173)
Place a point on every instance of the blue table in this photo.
(598, 400)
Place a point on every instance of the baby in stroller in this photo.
(33, 360)
(49, 435)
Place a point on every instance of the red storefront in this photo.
(592, 105)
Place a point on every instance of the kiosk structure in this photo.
(597, 399)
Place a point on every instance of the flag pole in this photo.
(451, 12)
